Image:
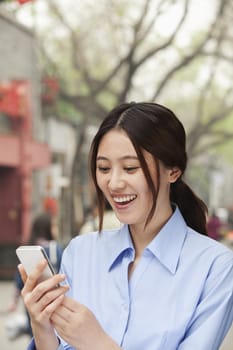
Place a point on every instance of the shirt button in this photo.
(125, 306)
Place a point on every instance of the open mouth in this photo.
(123, 200)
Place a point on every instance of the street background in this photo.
(60, 86)
(6, 295)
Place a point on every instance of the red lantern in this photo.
(21, 2)
(13, 98)
(50, 90)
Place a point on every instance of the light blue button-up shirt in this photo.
(179, 297)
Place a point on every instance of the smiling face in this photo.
(120, 177)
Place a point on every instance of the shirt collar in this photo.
(118, 243)
(168, 243)
(166, 246)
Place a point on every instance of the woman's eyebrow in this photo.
(101, 158)
(121, 158)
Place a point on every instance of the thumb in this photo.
(22, 273)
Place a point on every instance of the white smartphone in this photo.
(30, 256)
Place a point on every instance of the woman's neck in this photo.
(142, 234)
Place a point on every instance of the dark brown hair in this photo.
(156, 129)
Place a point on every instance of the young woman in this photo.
(158, 282)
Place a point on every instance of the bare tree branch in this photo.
(200, 129)
(193, 55)
(223, 137)
(91, 111)
(133, 65)
(76, 49)
(204, 91)
(169, 40)
(130, 61)
(149, 27)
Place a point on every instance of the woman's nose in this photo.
(116, 181)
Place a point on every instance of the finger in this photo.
(51, 295)
(66, 310)
(22, 273)
(39, 299)
(71, 304)
(47, 312)
(60, 317)
(61, 314)
(54, 305)
(53, 282)
(32, 278)
(44, 287)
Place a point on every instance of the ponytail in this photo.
(193, 209)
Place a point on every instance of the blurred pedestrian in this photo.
(214, 225)
(110, 220)
(158, 282)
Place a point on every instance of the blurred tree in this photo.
(141, 50)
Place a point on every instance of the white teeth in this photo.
(124, 198)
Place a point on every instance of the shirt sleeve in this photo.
(214, 313)
(32, 346)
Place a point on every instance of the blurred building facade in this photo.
(36, 151)
(62, 137)
(23, 149)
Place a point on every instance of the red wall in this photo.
(10, 208)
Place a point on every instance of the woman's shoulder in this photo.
(93, 238)
(205, 245)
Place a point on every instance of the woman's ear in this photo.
(174, 174)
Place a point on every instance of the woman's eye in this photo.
(131, 169)
(103, 169)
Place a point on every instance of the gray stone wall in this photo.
(18, 60)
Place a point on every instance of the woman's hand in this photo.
(77, 325)
(41, 300)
